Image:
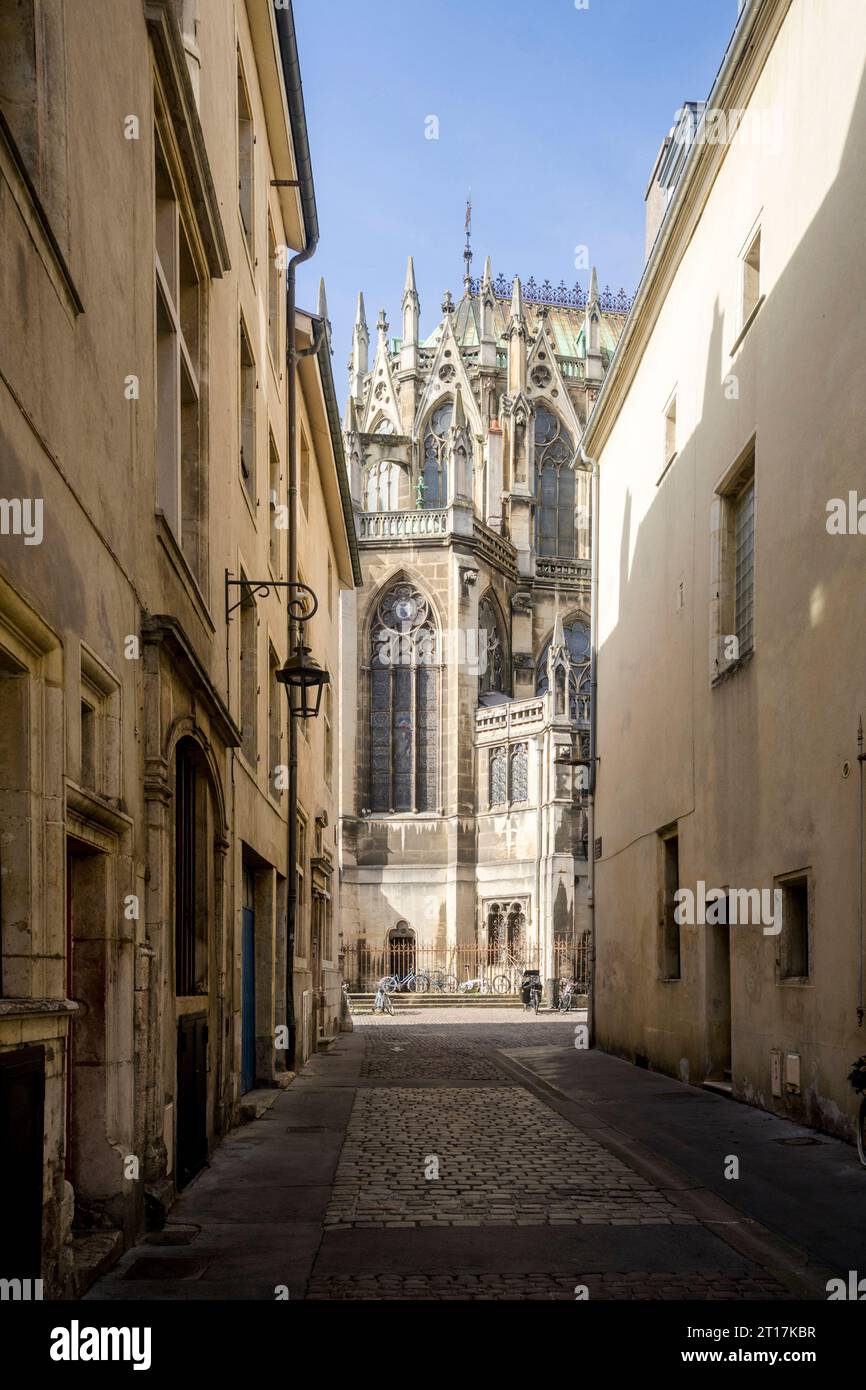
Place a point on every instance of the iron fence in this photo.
(453, 969)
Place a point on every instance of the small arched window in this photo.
(382, 487)
(404, 703)
(556, 532)
(577, 640)
(434, 476)
(491, 654)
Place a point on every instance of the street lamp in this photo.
(303, 674)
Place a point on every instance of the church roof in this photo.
(564, 325)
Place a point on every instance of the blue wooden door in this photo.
(248, 999)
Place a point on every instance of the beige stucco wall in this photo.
(751, 770)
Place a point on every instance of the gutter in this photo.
(739, 44)
(300, 139)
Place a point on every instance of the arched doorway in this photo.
(401, 950)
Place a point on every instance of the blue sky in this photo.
(552, 114)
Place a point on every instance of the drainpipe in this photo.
(861, 758)
(593, 690)
(297, 117)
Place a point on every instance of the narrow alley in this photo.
(454, 1154)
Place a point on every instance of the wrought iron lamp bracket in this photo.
(301, 603)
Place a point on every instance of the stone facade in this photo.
(143, 445)
(466, 651)
(730, 595)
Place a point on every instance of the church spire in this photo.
(411, 326)
(592, 331)
(467, 249)
(516, 335)
(360, 352)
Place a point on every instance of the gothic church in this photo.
(466, 653)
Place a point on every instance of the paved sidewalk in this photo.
(439, 1154)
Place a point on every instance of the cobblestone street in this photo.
(446, 1155)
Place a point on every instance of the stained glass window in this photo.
(556, 533)
(492, 676)
(435, 493)
(577, 640)
(404, 703)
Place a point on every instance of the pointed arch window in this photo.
(404, 703)
(498, 777)
(382, 487)
(434, 476)
(577, 642)
(556, 533)
(491, 653)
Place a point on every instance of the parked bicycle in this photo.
(500, 984)
(382, 1003)
(413, 982)
(566, 993)
(535, 994)
(443, 982)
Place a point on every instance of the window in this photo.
(751, 282)
(15, 827)
(33, 99)
(744, 576)
(404, 703)
(192, 877)
(248, 415)
(670, 927)
(88, 746)
(490, 647)
(506, 932)
(249, 677)
(733, 604)
(670, 433)
(328, 707)
(577, 641)
(498, 777)
(182, 494)
(304, 480)
(274, 476)
(246, 142)
(274, 298)
(433, 491)
(508, 775)
(556, 532)
(518, 773)
(795, 962)
(301, 887)
(274, 722)
(382, 487)
(99, 764)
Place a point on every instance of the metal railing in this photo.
(449, 967)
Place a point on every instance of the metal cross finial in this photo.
(467, 250)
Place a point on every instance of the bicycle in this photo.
(382, 1003)
(410, 983)
(566, 992)
(443, 982)
(535, 995)
(500, 984)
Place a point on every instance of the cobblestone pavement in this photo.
(444, 1141)
(711, 1285)
(472, 1157)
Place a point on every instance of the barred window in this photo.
(556, 532)
(404, 703)
(744, 577)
